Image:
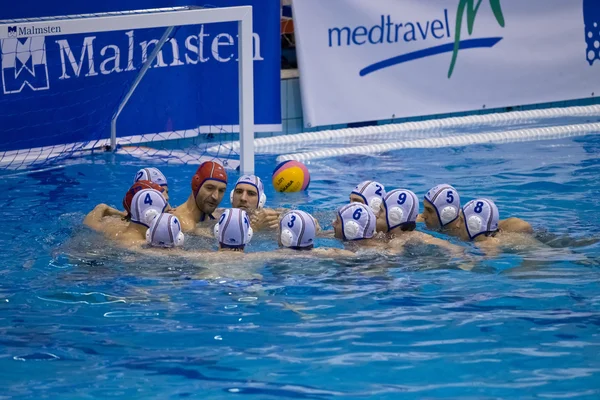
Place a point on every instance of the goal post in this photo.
(159, 18)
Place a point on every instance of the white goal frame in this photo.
(165, 18)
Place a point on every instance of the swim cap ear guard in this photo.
(375, 204)
(179, 239)
(351, 230)
(448, 214)
(287, 238)
(474, 224)
(395, 216)
(150, 214)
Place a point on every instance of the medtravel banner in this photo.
(59, 88)
(380, 59)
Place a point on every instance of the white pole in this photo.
(246, 93)
(113, 122)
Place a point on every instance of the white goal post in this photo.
(160, 18)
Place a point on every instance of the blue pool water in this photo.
(80, 319)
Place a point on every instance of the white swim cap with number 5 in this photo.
(446, 201)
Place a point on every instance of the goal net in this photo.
(163, 84)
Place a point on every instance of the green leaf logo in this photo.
(471, 9)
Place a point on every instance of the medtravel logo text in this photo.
(26, 61)
(436, 30)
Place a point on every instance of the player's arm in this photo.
(515, 225)
(203, 231)
(453, 249)
(490, 246)
(94, 218)
(332, 253)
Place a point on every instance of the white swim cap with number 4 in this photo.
(146, 205)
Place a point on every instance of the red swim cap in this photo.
(136, 187)
(208, 170)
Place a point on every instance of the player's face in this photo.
(430, 216)
(381, 220)
(165, 193)
(337, 228)
(462, 226)
(245, 196)
(210, 195)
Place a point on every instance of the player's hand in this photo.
(264, 219)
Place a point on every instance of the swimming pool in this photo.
(82, 320)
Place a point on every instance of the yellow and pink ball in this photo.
(291, 176)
